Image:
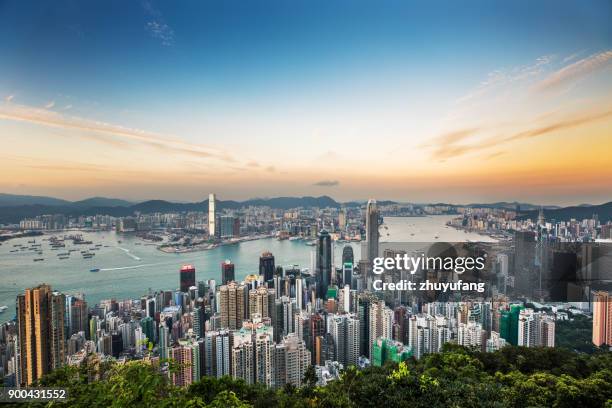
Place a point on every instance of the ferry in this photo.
(94, 270)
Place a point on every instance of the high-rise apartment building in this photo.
(233, 304)
(602, 318)
(40, 318)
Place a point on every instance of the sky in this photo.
(437, 101)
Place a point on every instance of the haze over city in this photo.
(144, 100)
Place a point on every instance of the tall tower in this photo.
(602, 318)
(372, 230)
(227, 272)
(187, 277)
(40, 315)
(324, 263)
(212, 230)
(266, 266)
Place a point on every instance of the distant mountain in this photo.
(118, 208)
(9, 200)
(102, 202)
(580, 212)
(512, 206)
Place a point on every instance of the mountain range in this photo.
(14, 208)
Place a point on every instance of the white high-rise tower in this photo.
(211, 215)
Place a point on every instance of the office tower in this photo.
(187, 277)
(227, 272)
(266, 266)
(347, 274)
(233, 300)
(524, 262)
(470, 335)
(227, 226)
(344, 329)
(258, 302)
(371, 231)
(602, 318)
(342, 219)
(79, 320)
(347, 255)
(299, 293)
(212, 231)
(40, 318)
(323, 263)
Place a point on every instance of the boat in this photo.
(94, 270)
(38, 259)
(3, 308)
(64, 257)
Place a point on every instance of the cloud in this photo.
(449, 146)
(157, 27)
(575, 70)
(67, 107)
(161, 31)
(503, 77)
(270, 169)
(253, 164)
(50, 104)
(327, 183)
(109, 133)
(561, 125)
(9, 98)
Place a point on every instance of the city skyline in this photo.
(142, 101)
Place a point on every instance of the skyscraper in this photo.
(372, 230)
(233, 299)
(187, 277)
(40, 317)
(212, 230)
(324, 263)
(266, 266)
(602, 318)
(227, 272)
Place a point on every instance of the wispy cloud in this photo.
(449, 145)
(502, 77)
(327, 183)
(157, 26)
(109, 133)
(50, 105)
(9, 98)
(576, 70)
(161, 31)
